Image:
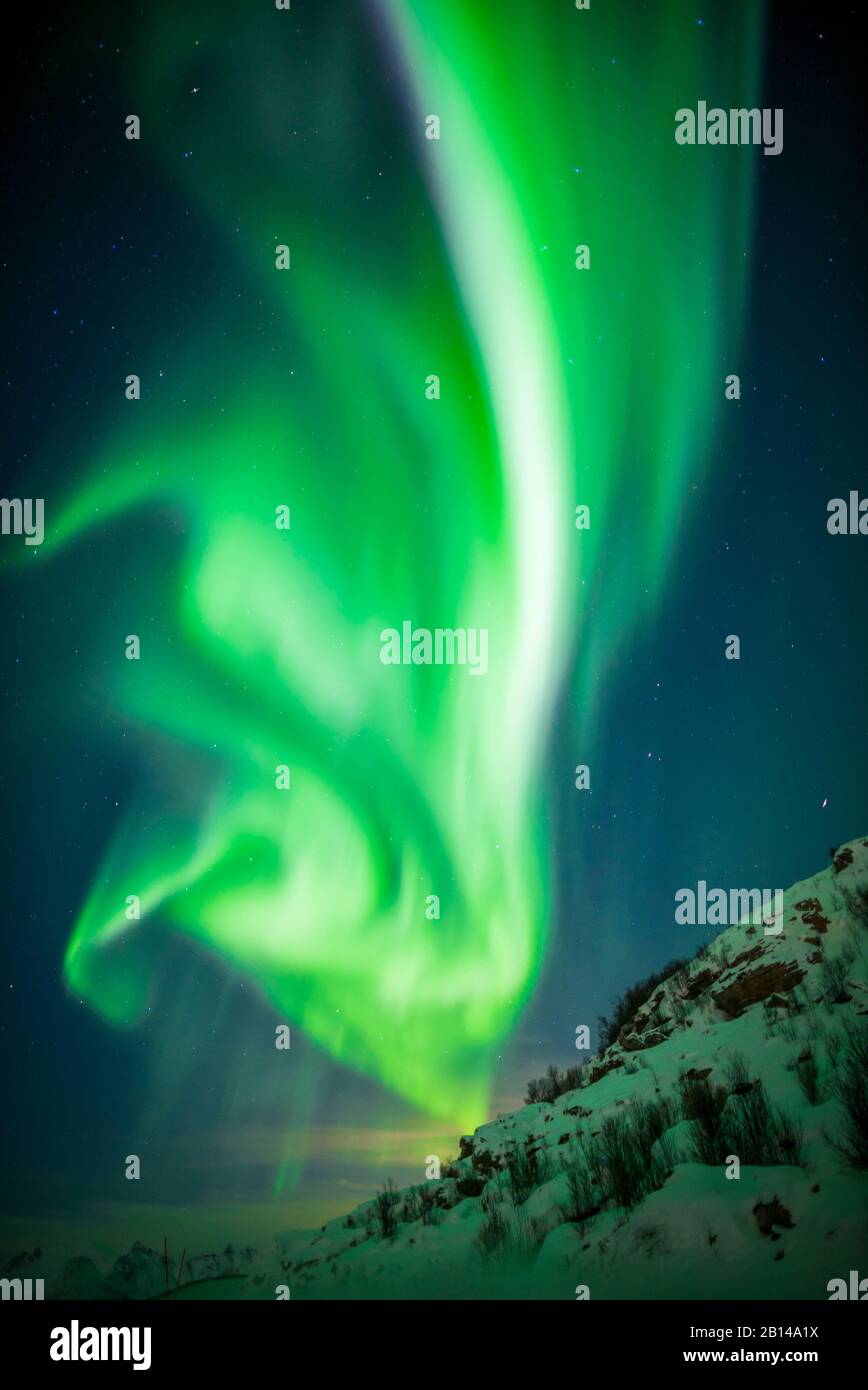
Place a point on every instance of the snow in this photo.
(697, 1236)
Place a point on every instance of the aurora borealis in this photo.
(415, 785)
(305, 389)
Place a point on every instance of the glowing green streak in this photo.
(559, 387)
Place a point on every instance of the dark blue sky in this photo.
(703, 769)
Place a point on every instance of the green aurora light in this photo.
(559, 387)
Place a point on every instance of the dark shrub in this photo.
(555, 1083)
(471, 1187)
(621, 1158)
(747, 1125)
(626, 1008)
(386, 1203)
(494, 1233)
(581, 1188)
(851, 1087)
(526, 1170)
(808, 1076)
(857, 905)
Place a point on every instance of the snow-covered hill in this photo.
(747, 1054)
(717, 1149)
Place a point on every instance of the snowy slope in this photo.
(752, 1049)
(743, 1013)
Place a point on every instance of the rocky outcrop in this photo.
(770, 1214)
(753, 986)
(812, 916)
(700, 982)
(635, 1042)
(843, 859)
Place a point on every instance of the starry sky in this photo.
(259, 647)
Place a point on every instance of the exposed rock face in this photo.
(812, 916)
(770, 1214)
(610, 1064)
(753, 986)
(700, 982)
(648, 1018)
(486, 1162)
(746, 957)
(843, 859)
(632, 1042)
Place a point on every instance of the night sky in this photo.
(307, 388)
